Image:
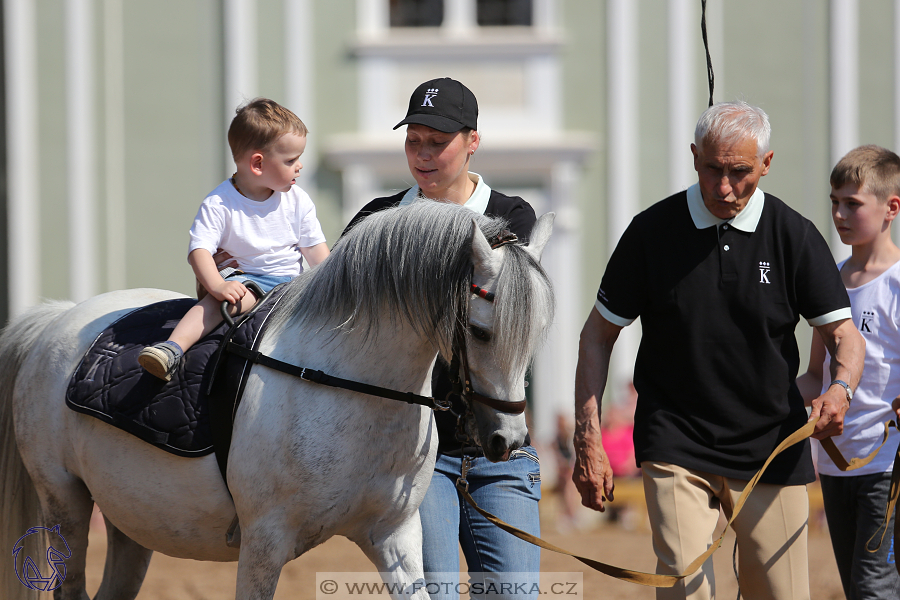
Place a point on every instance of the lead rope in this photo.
(660, 580)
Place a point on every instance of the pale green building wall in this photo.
(771, 53)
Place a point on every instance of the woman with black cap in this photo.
(441, 137)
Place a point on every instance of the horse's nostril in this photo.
(499, 445)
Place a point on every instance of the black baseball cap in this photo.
(443, 104)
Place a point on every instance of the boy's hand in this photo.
(232, 291)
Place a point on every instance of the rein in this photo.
(320, 377)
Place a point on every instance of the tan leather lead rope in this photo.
(658, 580)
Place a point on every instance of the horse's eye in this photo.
(480, 334)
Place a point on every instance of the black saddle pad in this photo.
(110, 385)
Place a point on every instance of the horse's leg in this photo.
(67, 503)
(126, 565)
(264, 551)
(396, 551)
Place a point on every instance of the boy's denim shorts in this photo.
(265, 282)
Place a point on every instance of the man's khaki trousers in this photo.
(771, 530)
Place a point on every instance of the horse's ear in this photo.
(540, 234)
(481, 249)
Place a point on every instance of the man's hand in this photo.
(829, 410)
(848, 351)
(592, 474)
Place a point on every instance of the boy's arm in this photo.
(207, 273)
(848, 352)
(315, 254)
(810, 383)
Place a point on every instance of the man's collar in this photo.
(746, 220)
(477, 202)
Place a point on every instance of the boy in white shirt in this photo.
(259, 217)
(865, 199)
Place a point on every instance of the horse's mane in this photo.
(413, 263)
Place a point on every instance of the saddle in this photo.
(192, 414)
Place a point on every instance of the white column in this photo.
(240, 60)
(358, 183)
(299, 80)
(544, 15)
(114, 143)
(554, 367)
(624, 186)
(896, 75)
(373, 18)
(80, 150)
(23, 183)
(683, 108)
(896, 230)
(844, 67)
(460, 17)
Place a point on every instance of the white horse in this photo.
(307, 461)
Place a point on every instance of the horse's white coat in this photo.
(307, 462)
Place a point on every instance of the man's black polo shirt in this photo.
(716, 368)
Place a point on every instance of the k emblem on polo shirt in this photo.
(764, 269)
(867, 321)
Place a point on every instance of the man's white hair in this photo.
(731, 121)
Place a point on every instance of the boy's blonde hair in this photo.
(870, 168)
(259, 124)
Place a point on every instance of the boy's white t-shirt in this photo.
(875, 306)
(263, 237)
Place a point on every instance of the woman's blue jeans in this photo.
(510, 490)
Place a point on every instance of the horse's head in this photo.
(428, 256)
(509, 311)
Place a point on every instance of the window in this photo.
(432, 13)
(504, 12)
(417, 13)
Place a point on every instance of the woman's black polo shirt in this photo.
(520, 216)
(716, 368)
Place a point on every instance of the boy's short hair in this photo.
(870, 168)
(259, 124)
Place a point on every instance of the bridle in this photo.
(461, 382)
(459, 368)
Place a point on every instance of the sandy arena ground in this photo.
(625, 543)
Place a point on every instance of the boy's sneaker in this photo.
(162, 359)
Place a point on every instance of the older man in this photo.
(719, 274)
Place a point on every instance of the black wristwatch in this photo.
(846, 387)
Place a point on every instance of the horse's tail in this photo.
(19, 502)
